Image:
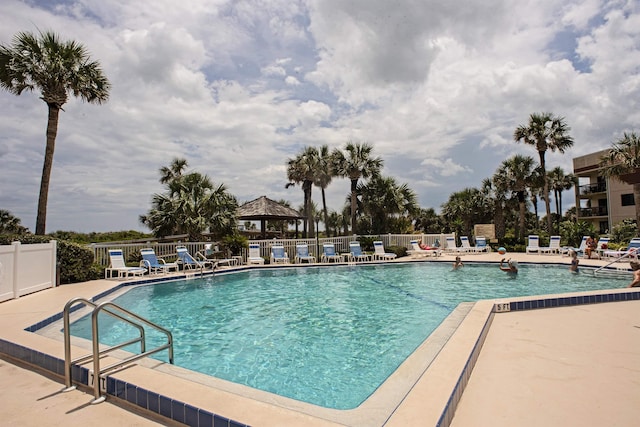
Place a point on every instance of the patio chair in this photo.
(254, 254)
(379, 253)
(481, 245)
(466, 246)
(356, 252)
(565, 250)
(329, 253)
(554, 246)
(631, 251)
(302, 254)
(189, 262)
(450, 246)
(279, 255)
(416, 250)
(603, 245)
(154, 264)
(117, 265)
(533, 245)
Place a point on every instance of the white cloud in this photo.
(237, 87)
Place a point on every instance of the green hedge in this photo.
(76, 261)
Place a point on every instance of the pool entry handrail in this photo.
(119, 313)
(617, 271)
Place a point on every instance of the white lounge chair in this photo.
(631, 251)
(329, 253)
(356, 252)
(554, 246)
(579, 250)
(603, 244)
(416, 250)
(481, 245)
(154, 264)
(451, 246)
(254, 254)
(533, 245)
(279, 255)
(117, 265)
(189, 262)
(302, 254)
(379, 252)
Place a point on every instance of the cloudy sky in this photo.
(238, 87)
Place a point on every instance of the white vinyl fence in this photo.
(168, 250)
(25, 269)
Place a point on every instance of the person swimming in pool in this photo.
(574, 261)
(458, 263)
(511, 267)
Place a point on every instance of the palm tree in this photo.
(461, 209)
(57, 69)
(545, 132)
(302, 170)
(10, 224)
(517, 173)
(191, 205)
(624, 158)
(174, 171)
(384, 199)
(559, 182)
(357, 163)
(324, 175)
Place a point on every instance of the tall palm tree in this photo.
(324, 175)
(302, 170)
(624, 158)
(357, 163)
(558, 182)
(517, 173)
(545, 132)
(494, 192)
(57, 69)
(174, 171)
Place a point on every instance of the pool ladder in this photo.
(618, 272)
(96, 375)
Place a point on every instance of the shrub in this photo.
(76, 261)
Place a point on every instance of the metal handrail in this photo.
(110, 309)
(625, 255)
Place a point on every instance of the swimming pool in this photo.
(323, 335)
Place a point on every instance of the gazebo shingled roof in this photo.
(263, 209)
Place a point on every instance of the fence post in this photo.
(16, 270)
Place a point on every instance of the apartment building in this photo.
(601, 201)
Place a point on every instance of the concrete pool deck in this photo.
(575, 365)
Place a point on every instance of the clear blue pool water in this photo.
(323, 335)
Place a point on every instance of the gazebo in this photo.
(263, 209)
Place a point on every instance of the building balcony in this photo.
(590, 212)
(600, 187)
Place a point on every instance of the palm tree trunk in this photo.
(52, 131)
(547, 205)
(326, 215)
(354, 205)
(523, 214)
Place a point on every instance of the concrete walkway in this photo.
(28, 398)
(569, 366)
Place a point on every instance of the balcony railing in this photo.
(597, 211)
(599, 187)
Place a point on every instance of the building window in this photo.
(627, 200)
